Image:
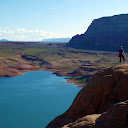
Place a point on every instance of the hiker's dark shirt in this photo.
(121, 52)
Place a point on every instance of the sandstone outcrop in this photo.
(101, 103)
(116, 117)
(84, 70)
(106, 33)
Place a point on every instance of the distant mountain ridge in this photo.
(106, 33)
(3, 40)
(56, 40)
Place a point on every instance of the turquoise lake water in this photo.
(33, 99)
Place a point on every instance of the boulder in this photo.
(116, 117)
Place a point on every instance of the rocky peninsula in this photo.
(102, 103)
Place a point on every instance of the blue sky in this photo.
(34, 20)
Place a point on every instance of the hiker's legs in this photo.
(120, 59)
(123, 58)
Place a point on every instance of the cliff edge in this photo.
(101, 103)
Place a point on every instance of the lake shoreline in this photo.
(15, 72)
(79, 65)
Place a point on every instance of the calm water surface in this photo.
(33, 99)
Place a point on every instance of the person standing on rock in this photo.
(121, 54)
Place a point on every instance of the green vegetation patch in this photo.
(81, 79)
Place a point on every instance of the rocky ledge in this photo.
(102, 103)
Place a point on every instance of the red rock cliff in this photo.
(98, 105)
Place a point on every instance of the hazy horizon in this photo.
(35, 20)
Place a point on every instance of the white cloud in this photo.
(22, 34)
